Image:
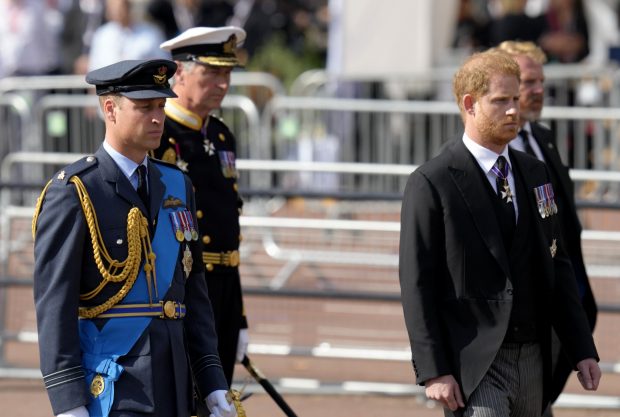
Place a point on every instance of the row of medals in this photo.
(183, 224)
(548, 209)
(545, 200)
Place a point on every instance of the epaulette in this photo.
(219, 122)
(75, 168)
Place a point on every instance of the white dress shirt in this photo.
(486, 159)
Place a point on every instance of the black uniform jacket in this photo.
(455, 280)
(207, 155)
(206, 150)
(156, 377)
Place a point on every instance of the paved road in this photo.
(321, 335)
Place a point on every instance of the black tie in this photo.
(508, 220)
(142, 189)
(526, 142)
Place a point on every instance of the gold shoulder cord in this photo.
(37, 208)
(138, 240)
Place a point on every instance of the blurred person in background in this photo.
(514, 24)
(176, 16)
(124, 36)
(565, 38)
(203, 147)
(29, 37)
(483, 271)
(539, 141)
(471, 30)
(82, 18)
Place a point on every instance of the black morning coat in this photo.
(454, 271)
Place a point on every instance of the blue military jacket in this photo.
(156, 376)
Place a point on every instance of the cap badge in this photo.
(160, 78)
(230, 45)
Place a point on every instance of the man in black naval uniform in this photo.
(124, 319)
(203, 147)
(539, 141)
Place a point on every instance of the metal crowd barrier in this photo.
(565, 85)
(336, 130)
(69, 82)
(71, 123)
(15, 126)
(261, 228)
(304, 128)
(409, 132)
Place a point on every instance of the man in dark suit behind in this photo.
(538, 140)
(484, 275)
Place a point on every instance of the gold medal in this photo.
(188, 261)
(194, 234)
(97, 386)
(179, 235)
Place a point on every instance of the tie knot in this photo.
(502, 167)
(141, 172)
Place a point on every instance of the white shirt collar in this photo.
(486, 158)
(126, 165)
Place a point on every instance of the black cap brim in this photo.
(136, 79)
(149, 94)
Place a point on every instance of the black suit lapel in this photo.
(466, 175)
(552, 157)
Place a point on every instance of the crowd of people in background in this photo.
(563, 28)
(45, 37)
(48, 37)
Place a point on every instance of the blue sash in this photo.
(101, 349)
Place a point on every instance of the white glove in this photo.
(242, 344)
(219, 405)
(80, 411)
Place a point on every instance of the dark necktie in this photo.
(526, 142)
(500, 169)
(142, 189)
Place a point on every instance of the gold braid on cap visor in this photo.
(217, 60)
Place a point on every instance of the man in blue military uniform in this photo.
(124, 319)
(203, 147)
